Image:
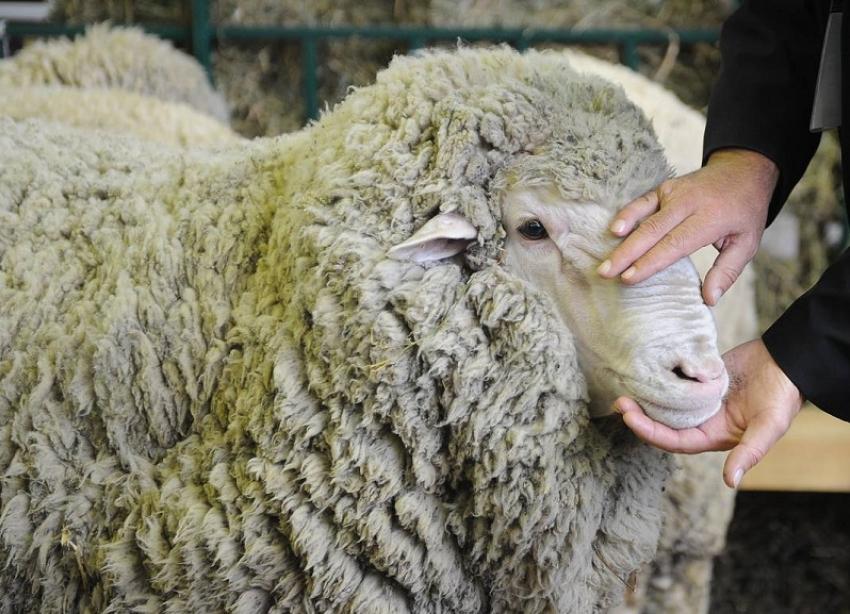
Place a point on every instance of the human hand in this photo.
(759, 408)
(724, 203)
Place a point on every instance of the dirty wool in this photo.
(218, 394)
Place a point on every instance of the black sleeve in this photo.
(811, 341)
(762, 100)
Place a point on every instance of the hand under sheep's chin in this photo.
(703, 402)
(678, 418)
(690, 405)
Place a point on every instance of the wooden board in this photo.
(813, 456)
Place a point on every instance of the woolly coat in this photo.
(217, 393)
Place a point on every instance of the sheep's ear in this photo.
(444, 235)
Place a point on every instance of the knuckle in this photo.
(666, 188)
(641, 207)
(754, 455)
(679, 241)
(653, 226)
(671, 192)
(727, 276)
(650, 198)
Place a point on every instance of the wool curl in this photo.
(217, 393)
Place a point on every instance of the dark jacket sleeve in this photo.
(811, 341)
(763, 101)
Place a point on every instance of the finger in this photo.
(755, 443)
(725, 271)
(629, 216)
(624, 405)
(655, 247)
(687, 441)
(624, 223)
(655, 233)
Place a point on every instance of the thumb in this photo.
(754, 445)
(724, 272)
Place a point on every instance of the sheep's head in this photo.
(654, 341)
(590, 152)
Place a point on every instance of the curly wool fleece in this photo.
(218, 394)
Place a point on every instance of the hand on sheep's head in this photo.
(761, 404)
(723, 204)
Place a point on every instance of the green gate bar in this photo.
(202, 35)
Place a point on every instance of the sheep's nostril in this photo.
(680, 373)
(700, 370)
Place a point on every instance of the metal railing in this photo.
(201, 36)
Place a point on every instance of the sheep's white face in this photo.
(654, 341)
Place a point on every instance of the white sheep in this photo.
(116, 58)
(218, 391)
(171, 123)
(698, 506)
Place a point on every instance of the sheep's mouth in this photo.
(675, 417)
(685, 404)
(665, 396)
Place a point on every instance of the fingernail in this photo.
(716, 295)
(628, 273)
(736, 479)
(618, 226)
(604, 267)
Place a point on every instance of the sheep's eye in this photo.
(534, 230)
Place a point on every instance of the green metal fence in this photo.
(201, 36)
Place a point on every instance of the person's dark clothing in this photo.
(762, 101)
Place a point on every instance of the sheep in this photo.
(171, 123)
(325, 372)
(697, 505)
(116, 58)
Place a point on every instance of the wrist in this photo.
(755, 175)
(748, 159)
(786, 387)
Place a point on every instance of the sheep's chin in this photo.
(683, 405)
(676, 418)
(668, 416)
